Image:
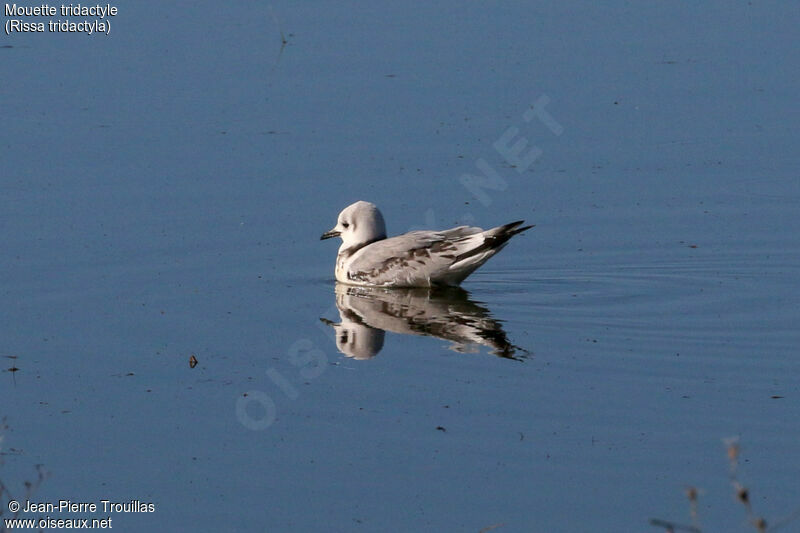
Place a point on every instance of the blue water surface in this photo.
(162, 194)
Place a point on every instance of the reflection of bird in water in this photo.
(447, 313)
(414, 259)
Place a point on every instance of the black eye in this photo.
(345, 225)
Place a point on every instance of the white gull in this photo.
(414, 259)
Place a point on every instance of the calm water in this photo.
(162, 194)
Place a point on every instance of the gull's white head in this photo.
(358, 224)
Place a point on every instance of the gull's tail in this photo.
(493, 240)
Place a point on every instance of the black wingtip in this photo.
(523, 228)
(511, 228)
(496, 238)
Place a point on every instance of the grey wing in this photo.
(412, 259)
